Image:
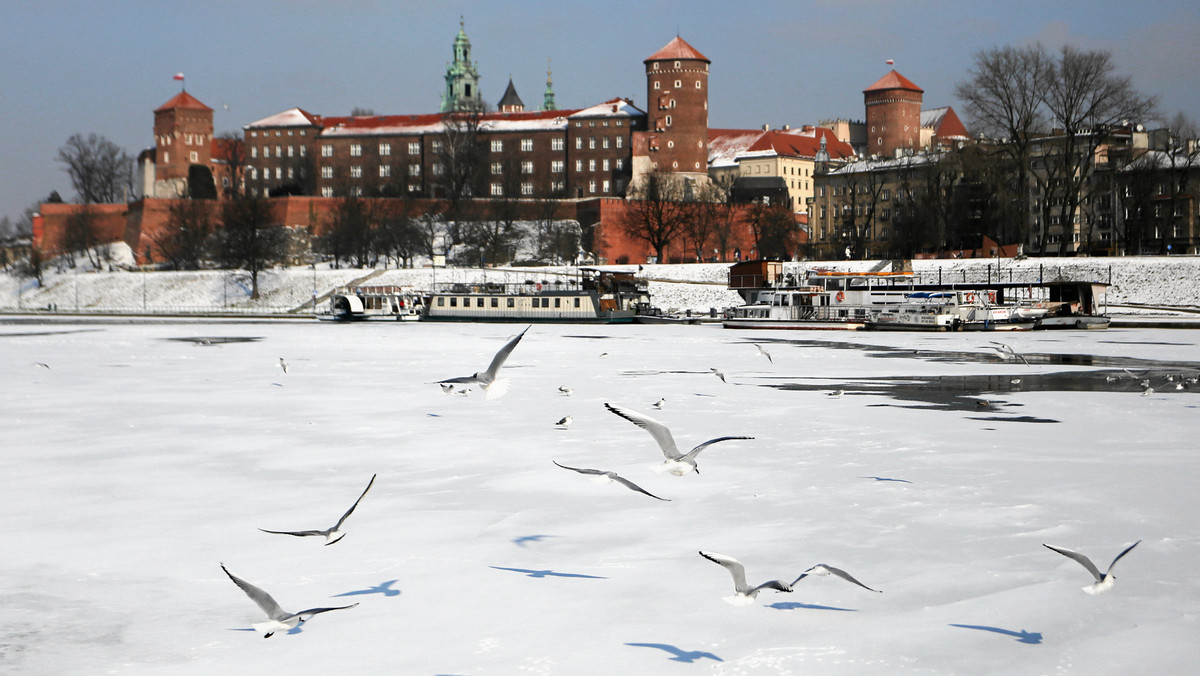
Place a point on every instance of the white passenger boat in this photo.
(360, 303)
(591, 296)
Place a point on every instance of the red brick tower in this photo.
(183, 132)
(893, 115)
(677, 109)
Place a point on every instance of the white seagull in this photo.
(1103, 582)
(334, 532)
(565, 422)
(278, 618)
(823, 569)
(764, 353)
(283, 364)
(565, 390)
(744, 594)
(447, 388)
(660, 403)
(492, 386)
(836, 394)
(718, 374)
(609, 477)
(677, 463)
(1005, 351)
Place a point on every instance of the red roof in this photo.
(182, 100)
(893, 80)
(792, 144)
(677, 49)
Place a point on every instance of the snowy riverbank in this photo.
(1154, 282)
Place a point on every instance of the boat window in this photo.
(557, 302)
(479, 302)
(510, 302)
(495, 302)
(453, 302)
(576, 302)
(441, 301)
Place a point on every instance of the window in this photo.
(497, 169)
(497, 190)
(326, 150)
(578, 165)
(591, 186)
(291, 172)
(592, 166)
(414, 170)
(253, 173)
(438, 169)
(453, 301)
(678, 83)
(620, 163)
(266, 151)
(253, 151)
(384, 171)
(527, 167)
(556, 167)
(697, 84)
(510, 302)
(557, 144)
(526, 188)
(303, 151)
(495, 302)
(327, 191)
(291, 151)
(326, 172)
(497, 146)
(578, 142)
(577, 300)
(619, 142)
(385, 149)
(668, 120)
(605, 190)
(278, 151)
(436, 146)
(478, 301)
(656, 83)
(194, 156)
(356, 171)
(605, 164)
(414, 147)
(591, 143)
(526, 145)
(355, 150)
(605, 142)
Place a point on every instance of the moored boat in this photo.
(591, 296)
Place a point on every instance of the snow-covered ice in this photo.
(148, 453)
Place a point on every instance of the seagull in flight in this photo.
(492, 386)
(824, 569)
(677, 463)
(744, 594)
(42, 364)
(1103, 582)
(609, 477)
(764, 353)
(278, 618)
(1005, 351)
(283, 365)
(334, 532)
(718, 374)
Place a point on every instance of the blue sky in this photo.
(103, 67)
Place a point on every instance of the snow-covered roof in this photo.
(944, 122)
(610, 108)
(881, 163)
(293, 117)
(727, 146)
(724, 145)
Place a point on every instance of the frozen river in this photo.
(138, 457)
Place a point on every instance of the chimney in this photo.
(766, 127)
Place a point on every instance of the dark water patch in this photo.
(1143, 342)
(1021, 419)
(216, 340)
(29, 334)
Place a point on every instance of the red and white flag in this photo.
(889, 62)
(179, 76)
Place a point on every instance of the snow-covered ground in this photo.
(140, 457)
(1172, 282)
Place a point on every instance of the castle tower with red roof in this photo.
(677, 110)
(893, 115)
(183, 134)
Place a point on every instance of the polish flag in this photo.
(890, 62)
(179, 76)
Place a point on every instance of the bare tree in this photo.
(248, 239)
(232, 150)
(183, 243)
(100, 172)
(656, 212)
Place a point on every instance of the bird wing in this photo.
(659, 431)
(262, 598)
(1114, 562)
(350, 511)
(1083, 560)
(696, 451)
(777, 585)
(297, 533)
(821, 568)
(581, 470)
(498, 360)
(461, 379)
(632, 486)
(305, 615)
(735, 568)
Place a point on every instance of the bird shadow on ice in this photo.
(524, 541)
(1030, 637)
(886, 478)
(793, 605)
(547, 573)
(384, 588)
(680, 655)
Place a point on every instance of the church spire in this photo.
(548, 97)
(462, 77)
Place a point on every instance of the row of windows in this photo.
(266, 151)
(278, 132)
(527, 188)
(493, 301)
